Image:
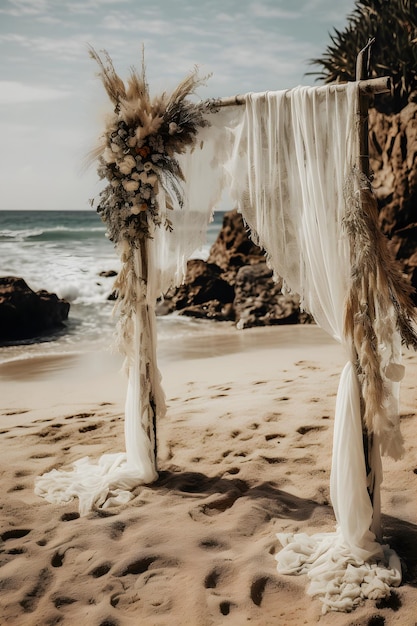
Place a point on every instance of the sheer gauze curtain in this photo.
(293, 155)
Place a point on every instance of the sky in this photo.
(52, 103)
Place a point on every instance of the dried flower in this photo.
(130, 185)
(138, 153)
(127, 165)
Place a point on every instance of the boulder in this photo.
(234, 284)
(25, 314)
(233, 247)
(205, 293)
(259, 300)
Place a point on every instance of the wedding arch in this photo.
(295, 162)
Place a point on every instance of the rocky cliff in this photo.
(393, 161)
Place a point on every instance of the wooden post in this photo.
(362, 72)
(147, 391)
(362, 65)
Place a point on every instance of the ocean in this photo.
(65, 252)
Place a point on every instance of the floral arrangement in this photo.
(137, 153)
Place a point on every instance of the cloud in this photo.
(66, 48)
(265, 11)
(22, 8)
(329, 14)
(18, 8)
(90, 7)
(125, 23)
(12, 92)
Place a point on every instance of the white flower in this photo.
(127, 165)
(115, 148)
(147, 166)
(135, 209)
(131, 142)
(130, 185)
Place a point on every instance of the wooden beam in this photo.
(367, 87)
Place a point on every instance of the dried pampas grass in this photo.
(137, 153)
(378, 304)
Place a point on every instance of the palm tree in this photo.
(393, 24)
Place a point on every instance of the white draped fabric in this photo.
(287, 157)
(293, 154)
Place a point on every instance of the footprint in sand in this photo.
(212, 544)
(53, 433)
(15, 533)
(31, 599)
(116, 530)
(274, 460)
(58, 559)
(273, 436)
(144, 563)
(272, 417)
(225, 607)
(257, 589)
(89, 427)
(101, 570)
(68, 517)
(79, 416)
(212, 578)
(306, 365)
(233, 471)
(60, 601)
(303, 430)
(22, 473)
(18, 487)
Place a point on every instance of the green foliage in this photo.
(393, 24)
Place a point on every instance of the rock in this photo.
(259, 301)
(213, 290)
(203, 294)
(107, 273)
(112, 296)
(233, 248)
(25, 314)
(393, 161)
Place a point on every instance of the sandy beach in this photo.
(244, 453)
